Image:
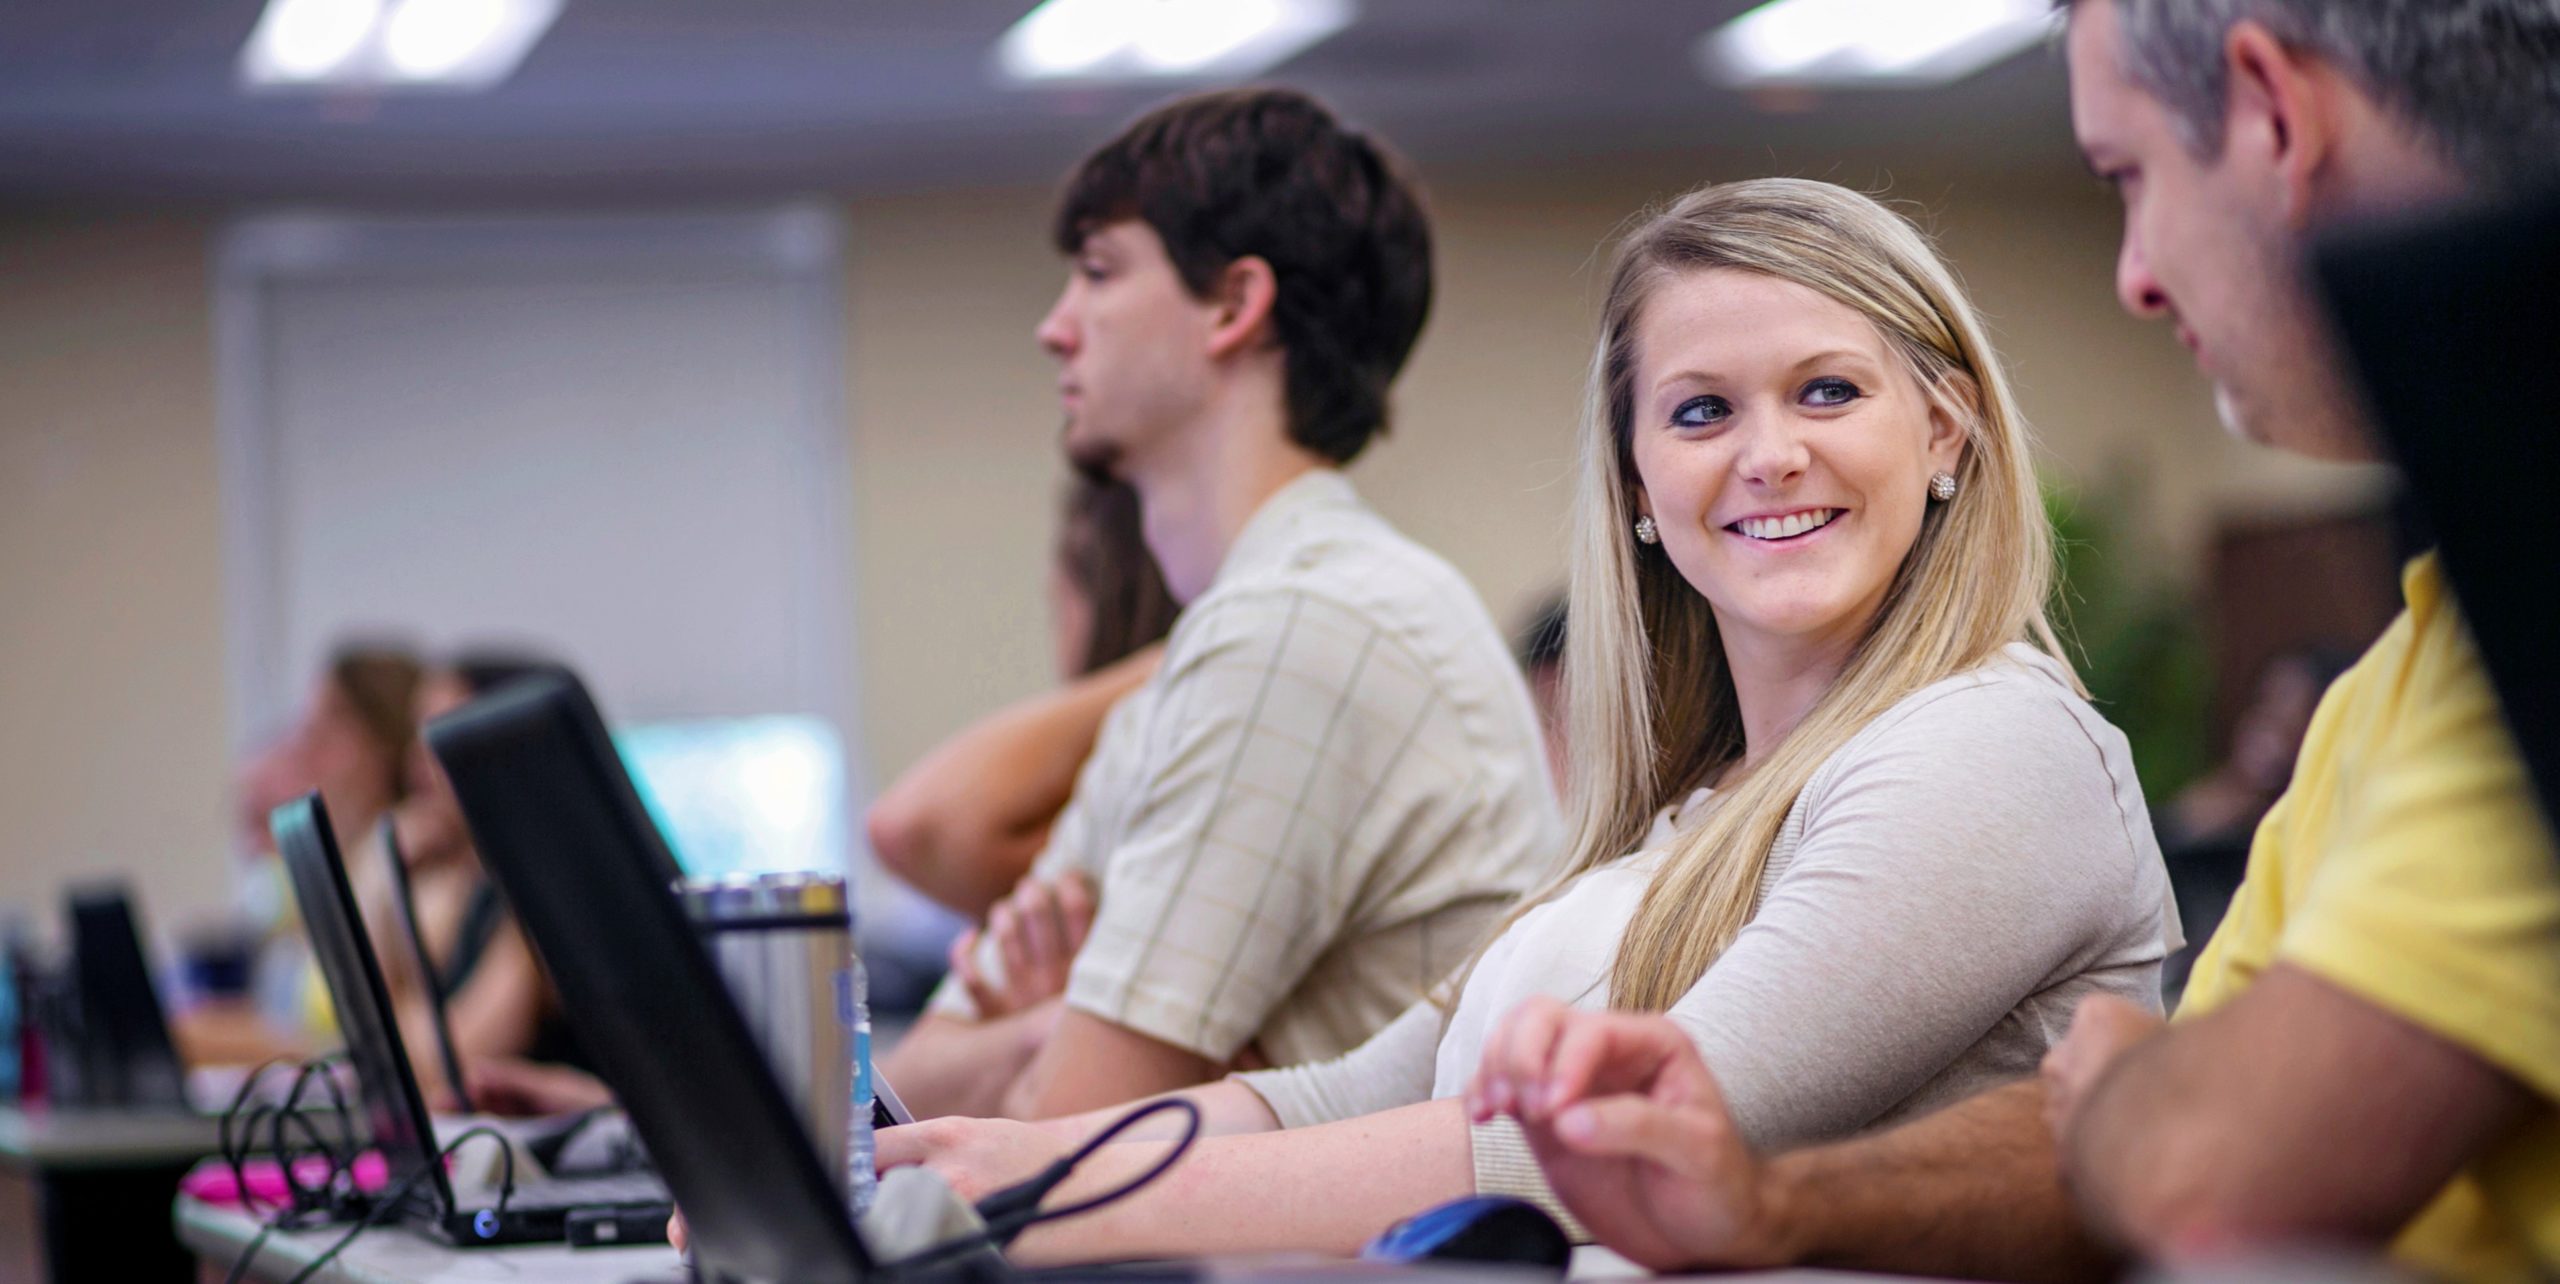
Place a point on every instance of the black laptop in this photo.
(2452, 327)
(108, 1042)
(395, 1110)
(563, 832)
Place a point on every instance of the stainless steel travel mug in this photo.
(784, 944)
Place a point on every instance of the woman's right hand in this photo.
(1632, 1134)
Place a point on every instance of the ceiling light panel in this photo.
(449, 45)
(1871, 42)
(1118, 40)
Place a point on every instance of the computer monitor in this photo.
(564, 834)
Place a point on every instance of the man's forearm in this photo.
(949, 1066)
(1972, 1190)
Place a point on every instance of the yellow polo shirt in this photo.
(2409, 864)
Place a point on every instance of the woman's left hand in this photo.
(978, 1157)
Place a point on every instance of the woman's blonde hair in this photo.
(1651, 703)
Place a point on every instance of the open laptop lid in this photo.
(131, 1060)
(560, 827)
(395, 1111)
(2453, 327)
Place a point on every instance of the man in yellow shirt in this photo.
(2370, 1048)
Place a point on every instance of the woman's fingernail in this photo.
(1575, 1124)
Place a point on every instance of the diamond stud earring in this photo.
(1646, 533)
(1942, 487)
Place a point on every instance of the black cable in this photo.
(329, 1193)
(338, 1194)
(1015, 1209)
(399, 1192)
(240, 1268)
(235, 1148)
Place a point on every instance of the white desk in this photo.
(393, 1254)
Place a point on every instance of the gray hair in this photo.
(2477, 79)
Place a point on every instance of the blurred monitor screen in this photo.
(743, 795)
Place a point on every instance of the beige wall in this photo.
(111, 715)
(112, 721)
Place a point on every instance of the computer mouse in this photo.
(1482, 1228)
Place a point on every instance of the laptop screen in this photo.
(563, 832)
(132, 1060)
(394, 1110)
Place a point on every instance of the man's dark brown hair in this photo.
(1270, 174)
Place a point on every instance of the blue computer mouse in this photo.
(1483, 1228)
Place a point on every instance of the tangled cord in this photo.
(1016, 1208)
(336, 1195)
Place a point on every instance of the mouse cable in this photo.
(1015, 1209)
(390, 1199)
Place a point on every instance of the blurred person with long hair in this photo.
(500, 1004)
(963, 824)
(348, 739)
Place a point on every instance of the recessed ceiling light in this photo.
(463, 43)
(302, 41)
(1871, 42)
(415, 44)
(1095, 40)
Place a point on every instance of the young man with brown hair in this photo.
(1333, 784)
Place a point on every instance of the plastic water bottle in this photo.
(862, 1175)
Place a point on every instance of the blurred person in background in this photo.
(1542, 660)
(2205, 831)
(2369, 1050)
(349, 739)
(963, 824)
(1331, 785)
(500, 1003)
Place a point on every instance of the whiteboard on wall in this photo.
(619, 441)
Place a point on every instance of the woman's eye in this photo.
(1701, 412)
(1092, 271)
(1830, 392)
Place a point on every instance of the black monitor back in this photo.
(2453, 327)
(123, 1051)
(562, 830)
(395, 1112)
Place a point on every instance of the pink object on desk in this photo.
(211, 1181)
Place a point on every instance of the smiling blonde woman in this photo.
(1840, 807)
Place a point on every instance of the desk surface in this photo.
(398, 1255)
(392, 1255)
(79, 1138)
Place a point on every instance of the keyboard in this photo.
(610, 1191)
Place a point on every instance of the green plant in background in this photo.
(2136, 638)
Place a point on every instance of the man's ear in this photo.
(2279, 110)
(1244, 295)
